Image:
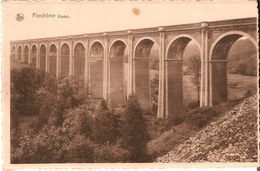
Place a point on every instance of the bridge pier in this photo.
(204, 88)
(161, 94)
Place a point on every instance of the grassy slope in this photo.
(165, 139)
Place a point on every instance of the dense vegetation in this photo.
(69, 128)
(54, 121)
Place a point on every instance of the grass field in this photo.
(244, 83)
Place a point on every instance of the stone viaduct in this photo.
(117, 63)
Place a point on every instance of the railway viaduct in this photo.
(117, 63)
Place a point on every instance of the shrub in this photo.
(192, 105)
(78, 121)
(79, 150)
(135, 136)
(111, 154)
(175, 120)
(44, 147)
(199, 117)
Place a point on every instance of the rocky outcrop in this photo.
(232, 138)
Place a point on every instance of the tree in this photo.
(24, 86)
(194, 69)
(106, 124)
(135, 135)
(242, 68)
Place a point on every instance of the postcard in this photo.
(130, 84)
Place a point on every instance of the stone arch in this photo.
(52, 62)
(96, 55)
(33, 54)
(43, 53)
(174, 73)
(65, 60)
(79, 59)
(95, 42)
(116, 40)
(189, 37)
(146, 71)
(218, 64)
(117, 64)
(230, 33)
(26, 53)
(19, 52)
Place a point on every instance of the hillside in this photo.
(232, 138)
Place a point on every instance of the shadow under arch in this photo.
(33, 55)
(118, 72)
(26, 53)
(174, 74)
(146, 74)
(65, 60)
(52, 62)
(218, 65)
(79, 59)
(19, 52)
(43, 53)
(13, 52)
(95, 57)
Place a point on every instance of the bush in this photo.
(192, 105)
(199, 117)
(111, 154)
(79, 150)
(78, 121)
(44, 147)
(174, 121)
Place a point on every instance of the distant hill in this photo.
(242, 57)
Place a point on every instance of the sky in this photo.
(91, 17)
(101, 17)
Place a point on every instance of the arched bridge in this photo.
(117, 63)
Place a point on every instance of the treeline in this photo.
(243, 65)
(69, 128)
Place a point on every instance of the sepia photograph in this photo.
(159, 84)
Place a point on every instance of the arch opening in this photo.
(65, 60)
(183, 76)
(26, 54)
(13, 52)
(43, 57)
(52, 59)
(146, 75)
(19, 54)
(96, 55)
(233, 69)
(118, 72)
(33, 55)
(79, 60)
